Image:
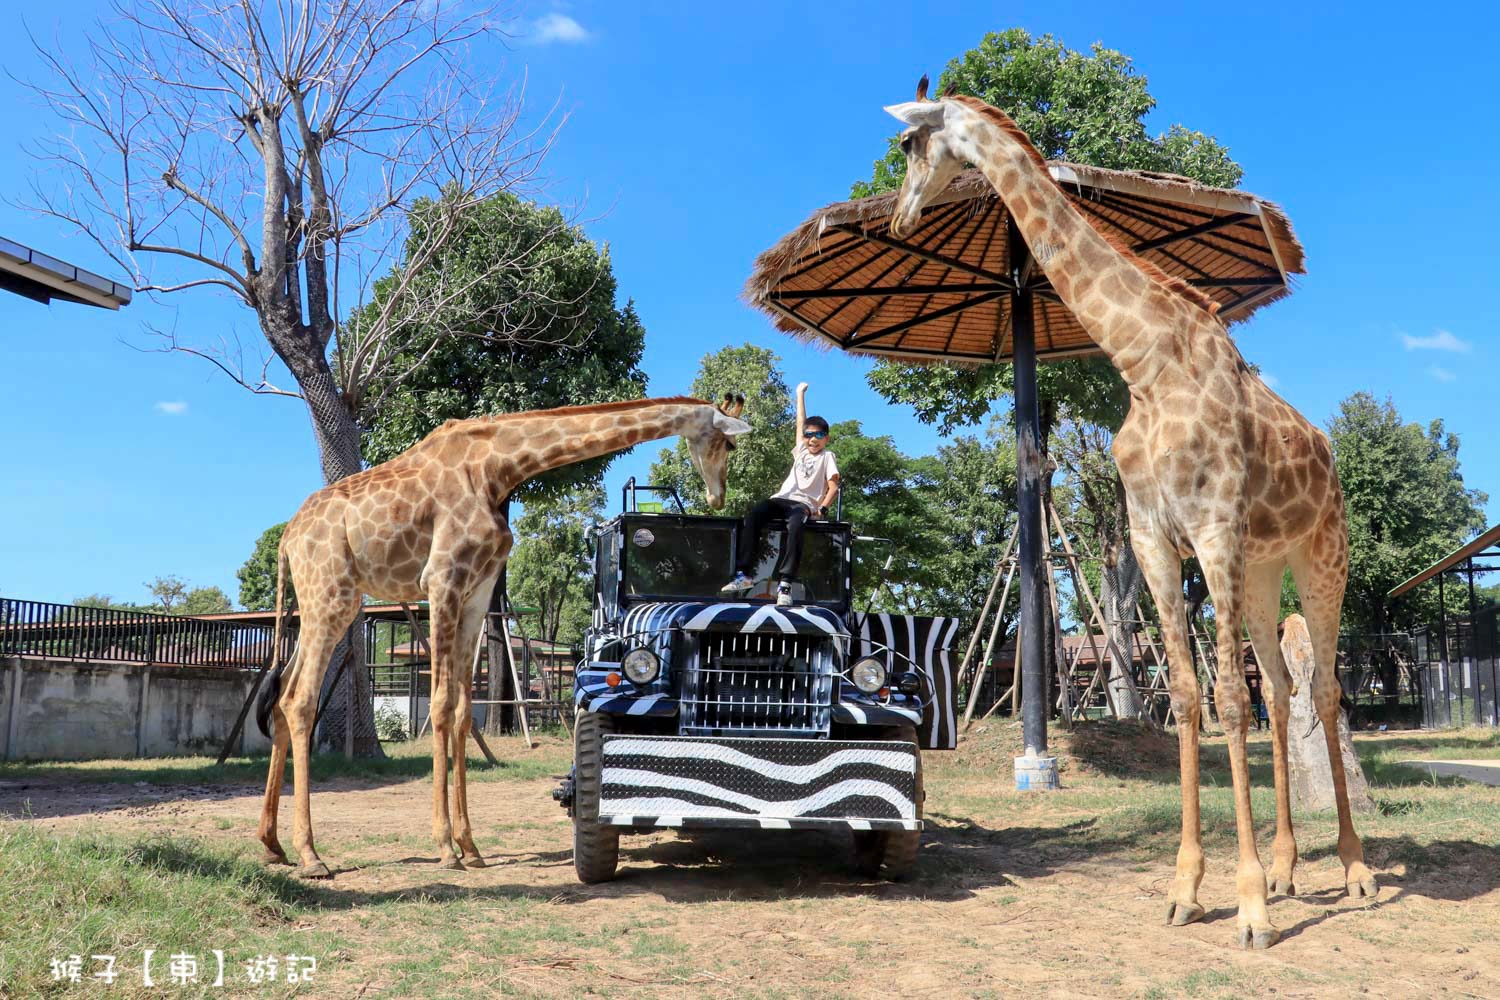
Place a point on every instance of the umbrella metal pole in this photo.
(1036, 770)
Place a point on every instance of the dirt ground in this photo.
(1015, 895)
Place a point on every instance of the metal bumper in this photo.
(675, 781)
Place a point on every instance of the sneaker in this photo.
(784, 595)
(738, 585)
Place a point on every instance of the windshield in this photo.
(689, 557)
(667, 557)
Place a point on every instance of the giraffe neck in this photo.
(1107, 293)
(526, 445)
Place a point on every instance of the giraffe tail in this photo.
(270, 689)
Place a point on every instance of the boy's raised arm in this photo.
(801, 415)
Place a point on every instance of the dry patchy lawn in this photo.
(1015, 895)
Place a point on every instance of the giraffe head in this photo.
(933, 156)
(710, 443)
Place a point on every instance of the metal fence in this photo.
(1459, 671)
(70, 632)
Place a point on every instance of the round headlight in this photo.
(641, 665)
(868, 675)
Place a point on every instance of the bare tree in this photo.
(304, 157)
(1083, 448)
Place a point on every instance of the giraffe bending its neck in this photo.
(426, 526)
(1214, 465)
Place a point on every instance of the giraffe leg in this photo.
(1221, 553)
(473, 621)
(281, 741)
(1262, 609)
(445, 603)
(1162, 568)
(1320, 573)
(322, 629)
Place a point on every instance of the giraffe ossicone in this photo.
(427, 526)
(1214, 464)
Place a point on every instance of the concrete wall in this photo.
(76, 711)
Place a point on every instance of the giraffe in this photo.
(1214, 464)
(424, 526)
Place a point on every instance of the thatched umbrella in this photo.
(962, 288)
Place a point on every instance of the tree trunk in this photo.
(1307, 746)
(1121, 582)
(500, 718)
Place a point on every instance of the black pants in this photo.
(755, 521)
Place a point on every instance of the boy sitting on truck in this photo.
(810, 487)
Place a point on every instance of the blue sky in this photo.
(698, 135)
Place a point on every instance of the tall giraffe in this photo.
(1214, 465)
(425, 526)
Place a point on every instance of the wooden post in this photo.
(516, 680)
(1064, 689)
(1000, 567)
(989, 649)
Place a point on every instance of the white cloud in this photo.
(172, 408)
(1441, 374)
(1270, 380)
(1442, 340)
(556, 27)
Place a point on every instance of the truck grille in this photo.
(745, 684)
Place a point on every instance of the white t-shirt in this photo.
(808, 480)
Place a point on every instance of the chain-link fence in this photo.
(1459, 671)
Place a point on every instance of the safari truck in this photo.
(698, 711)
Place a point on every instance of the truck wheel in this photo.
(596, 847)
(891, 854)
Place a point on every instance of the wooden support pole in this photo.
(989, 649)
(516, 680)
(1064, 691)
(963, 667)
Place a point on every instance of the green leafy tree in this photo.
(760, 459)
(105, 602)
(550, 565)
(577, 346)
(974, 501)
(1407, 506)
(258, 575)
(887, 494)
(205, 601)
(169, 592)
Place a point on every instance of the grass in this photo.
(1119, 813)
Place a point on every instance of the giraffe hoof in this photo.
(451, 865)
(1362, 885)
(1258, 938)
(473, 861)
(315, 870)
(1180, 914)
(1282, 884)
(270, 857)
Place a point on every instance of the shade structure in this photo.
(961, 287)
(943, 292)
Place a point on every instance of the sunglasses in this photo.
(815, 434)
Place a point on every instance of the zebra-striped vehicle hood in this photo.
(729, 617)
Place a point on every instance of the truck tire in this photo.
(891, 854)
(596, 848)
